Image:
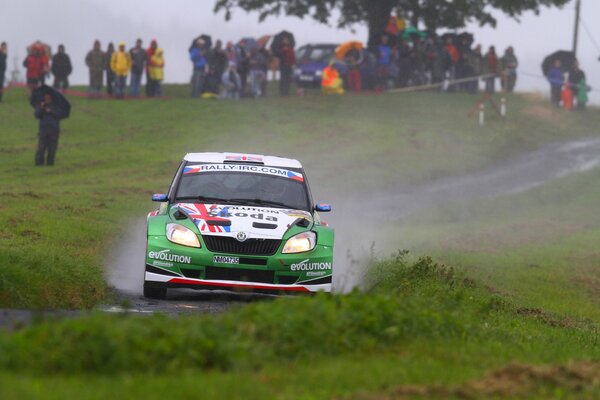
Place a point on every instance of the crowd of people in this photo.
(398, 61)
(109, 69)
(568, 90)
(400, 57)
(241, 70)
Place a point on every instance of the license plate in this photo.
(226, 260)
(306, 78)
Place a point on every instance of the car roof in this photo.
(220, 158)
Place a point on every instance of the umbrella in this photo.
(263, 41)
(207, 42)
(449, 35)
(567, 58)
(62, 104)
(250, 43)
(411, 32)
(40, 45)
(278, 40)
(467, 37)
(344, 48)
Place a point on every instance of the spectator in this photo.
(490, 67)
(156, 72)
(232, 83)
(287, 59)
(139, 58)
(331, 83)
(556, 78)
(95, 61)
(49, 130)
(243, 64)
(452, 58)
(231, 54)
(268, 60)
(110, 75)
(258, 67)
(61, 69)
(440, 62)
(120, 63)
(34, 63)
(353, 59)
(217, 63)
(509, 70)
(578, 85)
(384, 59)
(3, 55)
(149, 53)
(476, 61)
(198, 57)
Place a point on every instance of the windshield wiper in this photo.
(207, 199)
(261, 202)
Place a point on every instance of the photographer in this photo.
(49, 130)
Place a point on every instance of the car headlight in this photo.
(302, 242)
(181, 235)
(298, 71)
(319, 73)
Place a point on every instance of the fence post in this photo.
(481, 114)
(503, 107)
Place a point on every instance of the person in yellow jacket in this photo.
(120, 64)
(331, 82)
(156, 72)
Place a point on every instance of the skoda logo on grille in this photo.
(241, 236)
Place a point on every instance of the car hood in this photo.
(229, 220)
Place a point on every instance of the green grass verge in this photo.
(421, 324)
(58, 224)
(538, 249)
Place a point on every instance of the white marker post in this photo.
(482, 114)
(503, 107)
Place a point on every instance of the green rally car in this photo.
(238, 222)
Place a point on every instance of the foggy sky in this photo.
(77, 23)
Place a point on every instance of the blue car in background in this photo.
(311, 60)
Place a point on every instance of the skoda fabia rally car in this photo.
(238, 222)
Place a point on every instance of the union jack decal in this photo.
(201, 217)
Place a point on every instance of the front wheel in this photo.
(159, 293)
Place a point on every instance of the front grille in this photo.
(287, 280)
(240, 275)
(191, 273)
(251, 247)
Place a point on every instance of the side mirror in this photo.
(322, 207)
(161, 198)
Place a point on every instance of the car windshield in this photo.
(320, 54)
(251, 188)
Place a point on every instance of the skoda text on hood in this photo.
(256, 222)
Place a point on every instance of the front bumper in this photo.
(157, 277)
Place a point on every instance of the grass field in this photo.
(526, 290)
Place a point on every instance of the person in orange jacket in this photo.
(331, 82)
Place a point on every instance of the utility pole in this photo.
(576, 34)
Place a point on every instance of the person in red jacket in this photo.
(287, 59)
(35, 65)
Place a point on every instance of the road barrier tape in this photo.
(448, 83)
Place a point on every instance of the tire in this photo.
(159, 293)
